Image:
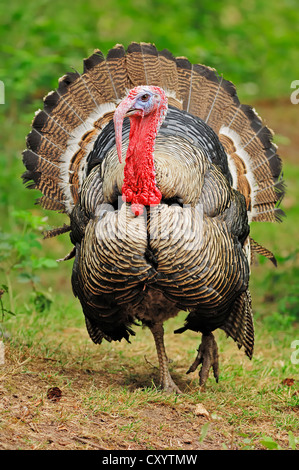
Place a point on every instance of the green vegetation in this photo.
(109, 399)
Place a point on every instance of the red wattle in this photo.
(139, 187)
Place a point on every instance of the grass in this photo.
(109, 398)
(141, 417)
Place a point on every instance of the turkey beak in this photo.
(120, 113)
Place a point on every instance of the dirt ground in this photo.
(47, 406)
(39, 416)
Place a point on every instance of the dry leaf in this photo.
(54, 394)
(288, 382)
(201, 411)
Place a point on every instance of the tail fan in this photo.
(239, 325)
(64, 132)
(261, 250)
(254, 164)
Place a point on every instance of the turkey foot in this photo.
(208, 357)
(166, 381)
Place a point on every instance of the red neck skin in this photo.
(139, 186)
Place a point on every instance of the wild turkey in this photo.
(168, 228)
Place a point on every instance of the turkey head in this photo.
(146, 106)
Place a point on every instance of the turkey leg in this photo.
(208, 357)
(166, 381)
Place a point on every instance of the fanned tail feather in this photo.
(254, 164)
(64, 132)
(239, 324)
(57, 231)
(261, 250)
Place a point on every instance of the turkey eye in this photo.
(145, 97)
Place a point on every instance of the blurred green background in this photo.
(255, 44)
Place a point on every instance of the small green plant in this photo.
(3, 290)
(203, 432)
(271, 444)
(20, 261)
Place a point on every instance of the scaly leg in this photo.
(208, 357)
(166, 381)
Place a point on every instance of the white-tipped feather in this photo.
(172, 94)
(73, 145)
(236, 139)
(233, 171)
